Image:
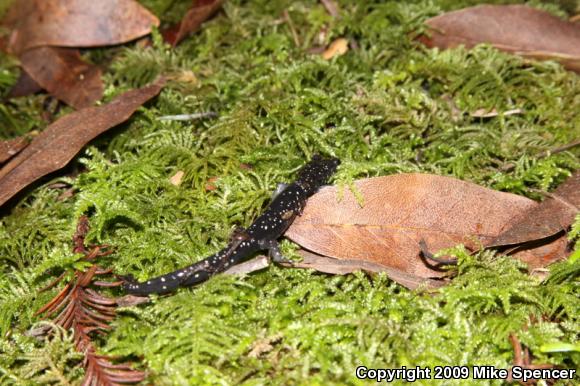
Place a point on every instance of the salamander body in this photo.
(262, 234)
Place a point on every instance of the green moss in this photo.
(388, 106)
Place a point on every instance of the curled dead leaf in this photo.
(132, 300)
(550, 217)
(542, 253)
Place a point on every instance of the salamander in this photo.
(262, 234)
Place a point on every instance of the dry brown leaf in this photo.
(398, 212)
(186, 76)
(514, 28)
(343, 266)
(76, 23)
(337, 48)
(63, 73)
(547, 219)
(176, 178)
(265, 345)
(210, 186)
(542, 254)
(200, 11)
(10, 147)
(24, 86)
(61, 141)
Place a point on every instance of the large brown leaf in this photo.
(513, 28)
(200, 11)
(76, 23)
(399, 211)
(63, 73)
(61, 141)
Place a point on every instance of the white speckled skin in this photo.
(262, 234)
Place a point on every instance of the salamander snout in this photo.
(318, 172)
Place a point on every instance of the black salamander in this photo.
(261, 235)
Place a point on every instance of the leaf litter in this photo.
(63, 73)
(44, 34)
(518, 29)
(62, 140)
(200, 11)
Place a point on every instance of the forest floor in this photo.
(386, 106)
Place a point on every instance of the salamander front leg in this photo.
(274, 252)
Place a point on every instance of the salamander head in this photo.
(317, 172)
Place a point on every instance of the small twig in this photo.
(97, 251)
(79, 235)
(523, 359)
(101, 271)
(560, 149)
(255, 264)
(52, 283)
(132, 300)
(187, 117)
(292, 29)
(546, 153)
(515, 342)
(111, 284)
(331, 8)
